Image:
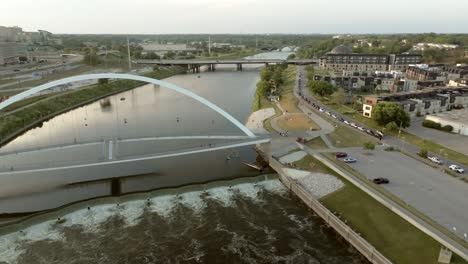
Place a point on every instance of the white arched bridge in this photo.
(108, 158)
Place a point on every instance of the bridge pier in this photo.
(116, 187)
(239, 66)
(266, 64)
(211, 67)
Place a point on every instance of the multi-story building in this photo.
(341, 58)
(422, 73)
(8, 53)
(423, 102)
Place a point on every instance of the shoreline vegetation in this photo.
(18, 122)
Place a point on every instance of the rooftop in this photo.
(460, 116)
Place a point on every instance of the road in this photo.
(410, 149)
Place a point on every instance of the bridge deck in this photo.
(238, 61)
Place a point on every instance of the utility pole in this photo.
(128, 50)
(209, 45)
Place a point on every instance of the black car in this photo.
(380, 180)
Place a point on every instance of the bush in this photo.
(391, 148)
(431, 124)
(447, 128)
(369, 145)
(392, 126)
(423, 153)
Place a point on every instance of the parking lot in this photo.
(432, 192)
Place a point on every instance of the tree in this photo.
(263, 87)
(90, 57)
(369, 145)
(387, 112)
(321, 88)
(291, 56)
(423, 153)
(103, 81)
(339, 97)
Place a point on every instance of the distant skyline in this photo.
(237, 16)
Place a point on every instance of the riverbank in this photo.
(13, 125)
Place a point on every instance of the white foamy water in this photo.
(90, 219)
(274, 186)
(132, 211)
(163, 205)
(223, 195)
(193, 201)
(247, 190)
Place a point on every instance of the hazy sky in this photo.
(236, 16)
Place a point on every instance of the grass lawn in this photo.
(344, 137)
(312, 164)
(289, 103)
(317, 143)
(297, 123)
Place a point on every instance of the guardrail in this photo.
(364, 247)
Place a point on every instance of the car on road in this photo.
(350, 160)
(340, 155)
(380, 181)
(347, 122)
(456, 168)
(436, 160)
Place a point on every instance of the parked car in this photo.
(347, 122)
(436, 160)
(380, 180)
(300, 140)
(340, 155)
(361, 128)
(334, 116)
(353, 125)
(321, 110)
(328, 113)
(456, 168)
(350, 160)
(341, 119)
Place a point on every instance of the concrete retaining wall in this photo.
(366, 249)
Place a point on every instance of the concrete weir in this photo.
(359, 243)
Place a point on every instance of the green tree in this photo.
(386, 112)
(321, 88)
(263, 87)
(369, 145)
(90, 57)
(423, 153)
(339, 97)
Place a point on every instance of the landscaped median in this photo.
(11, 125)
(396, 238)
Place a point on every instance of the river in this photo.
(246, 220)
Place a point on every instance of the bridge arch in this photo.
(168, 85)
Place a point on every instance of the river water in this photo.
(235, 222)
